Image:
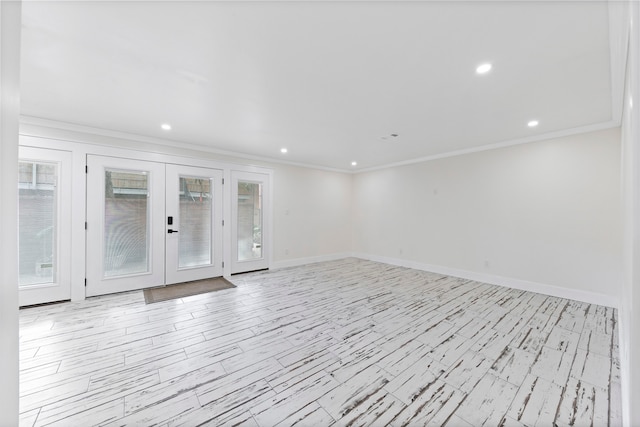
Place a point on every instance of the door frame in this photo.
(83, 141)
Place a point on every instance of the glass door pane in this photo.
(249, 220)
(126, 224)
(195, 222)
(37, 216)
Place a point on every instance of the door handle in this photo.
(172, 231)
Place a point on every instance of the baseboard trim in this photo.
(524, 285)
(309, 260)
(625, 364)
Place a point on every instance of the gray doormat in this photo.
(186, 289)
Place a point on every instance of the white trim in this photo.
(629, 313)
(624, 341)
(619, 26)
(143, 153)
(38, 127)
(44, 128)
(551, 135)
(524, 285)
(226, 215)
(10, 34)
(309, 260)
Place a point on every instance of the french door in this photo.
(44, 225)
(125, 224)
(150, 224)
(194, 223)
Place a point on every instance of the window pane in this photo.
(37, 215)
(195, 222)
(249, 221)
(126, 225)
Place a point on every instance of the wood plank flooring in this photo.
(344, 343)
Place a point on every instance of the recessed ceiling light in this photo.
(532, 123)
(166, 126)
(484, 68)
(354, 163)
(283, 150)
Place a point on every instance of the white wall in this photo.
(630, 296)
(312, 214)
(543, 215)
(9, 113)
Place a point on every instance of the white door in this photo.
(125, 224)
(194, 223)
(44, 228)
(249, 210)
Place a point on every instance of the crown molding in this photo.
(34, 126)
(509, 143)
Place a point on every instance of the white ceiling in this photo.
(326, 80)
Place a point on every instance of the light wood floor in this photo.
(347, 342)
